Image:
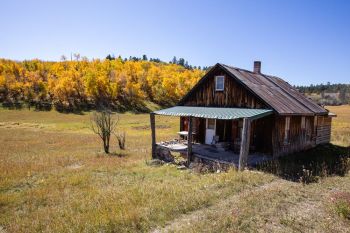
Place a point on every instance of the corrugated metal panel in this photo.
(277, 93)
(214, 113)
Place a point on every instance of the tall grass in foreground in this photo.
(341, 204)
(54, 179)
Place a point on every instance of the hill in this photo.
(136, 84)
(327, 94)
(118, 83)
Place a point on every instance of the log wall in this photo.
(233, 95)
(298, 138)
(323, 131)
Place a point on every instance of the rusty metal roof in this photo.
(277, 93)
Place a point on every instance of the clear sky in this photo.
(303, 42)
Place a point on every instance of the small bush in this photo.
(307, 177)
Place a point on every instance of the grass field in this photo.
(341, 125)
(54, 178)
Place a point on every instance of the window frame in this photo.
(214, 124)
(216, 82)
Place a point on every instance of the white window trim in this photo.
(223, 84)
(207, 122)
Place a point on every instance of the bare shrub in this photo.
(307, 177)
(103, 123)
(121, 140)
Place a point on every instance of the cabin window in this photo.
(219, 83)
(286, 130)
(211, 124)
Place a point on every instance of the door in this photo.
(223, 130)
(210, 131)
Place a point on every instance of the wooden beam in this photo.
(189, 140)
(245, 141)
(153, 129)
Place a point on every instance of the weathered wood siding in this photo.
(299, 138)
(268, 134)
(198, 128)
(323, 131)
(261, 135)
(233, 95)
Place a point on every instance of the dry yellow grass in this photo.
(341, 125)
(54, 178)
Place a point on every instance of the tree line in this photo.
(78, 84)
(327, 94)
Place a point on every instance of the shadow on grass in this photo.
(119, 154)
(136, 107)
(310, 165)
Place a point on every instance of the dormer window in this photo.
(219, 83)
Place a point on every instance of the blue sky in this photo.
(303, 42)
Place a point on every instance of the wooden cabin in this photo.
(251, 112)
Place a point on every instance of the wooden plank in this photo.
(243, 155)
(234, 95)
(189, 140)
(153, 129)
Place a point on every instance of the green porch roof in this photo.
(215, 113)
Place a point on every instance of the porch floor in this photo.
(212, 153)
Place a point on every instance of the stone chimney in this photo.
(257, 67)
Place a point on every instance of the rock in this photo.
(182, 167)
(164, 154)
(155, 162)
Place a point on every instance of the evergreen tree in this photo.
(174, 61)
(110, 57)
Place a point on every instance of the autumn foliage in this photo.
(81, 84)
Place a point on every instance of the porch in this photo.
(213, 153)
(212, 149)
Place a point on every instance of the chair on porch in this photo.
(215, 139)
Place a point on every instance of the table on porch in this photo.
(184, 134)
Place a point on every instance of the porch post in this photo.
(189, 140)
(153, 129)
(245, 141)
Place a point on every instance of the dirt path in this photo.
(200, 214)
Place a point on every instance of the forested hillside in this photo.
(327, 94)
(121, 84)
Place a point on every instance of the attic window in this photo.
(219, 83)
